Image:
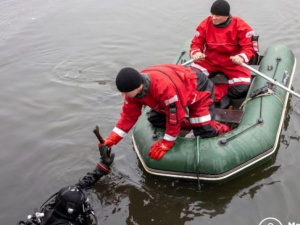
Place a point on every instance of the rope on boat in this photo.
(269, 92)
(198, 162)
(264, 91)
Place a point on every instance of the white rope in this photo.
(269, 92)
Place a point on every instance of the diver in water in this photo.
(70, 205)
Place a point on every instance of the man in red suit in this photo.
(169, 90)
(220, 44)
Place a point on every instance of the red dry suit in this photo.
(218, 43)
(172, 86)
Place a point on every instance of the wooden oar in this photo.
(271, 80)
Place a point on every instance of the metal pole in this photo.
(271, 80)
(187, 62)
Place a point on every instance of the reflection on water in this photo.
(165, 201)
(72, 73)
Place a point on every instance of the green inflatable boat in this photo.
(256, 124)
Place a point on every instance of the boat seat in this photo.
(220, 78)
(229, 115)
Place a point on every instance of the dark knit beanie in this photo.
(128, 79)
(220, 8)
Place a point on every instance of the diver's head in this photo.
(71, 201)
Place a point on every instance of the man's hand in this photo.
(105, 155)
(160, 148)
(112, 139)
(106, 159)
(102, 168)
(237, 59)
(198, 56)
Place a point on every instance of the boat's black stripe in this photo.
(225, 141)
(278, 60)
(260, 109)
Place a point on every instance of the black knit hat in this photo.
(128, 79)
(220, 8)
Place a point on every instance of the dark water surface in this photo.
(58, 64)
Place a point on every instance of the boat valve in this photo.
(269, 67)
(260, 120)
(223, 142)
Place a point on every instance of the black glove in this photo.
(105, 157)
